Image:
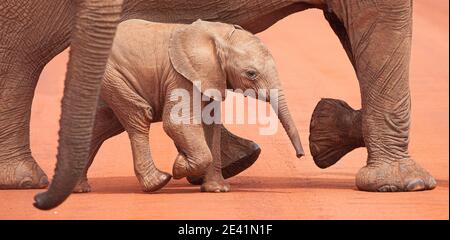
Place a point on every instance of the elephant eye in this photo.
(251, 74)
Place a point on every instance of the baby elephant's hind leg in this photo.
(194, 155)
(135, 115)
(150, 177)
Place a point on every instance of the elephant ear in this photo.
(194, 52)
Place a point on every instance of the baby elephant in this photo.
(148, 62)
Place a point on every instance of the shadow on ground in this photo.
(129, 184)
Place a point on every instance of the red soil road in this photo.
(312, 65)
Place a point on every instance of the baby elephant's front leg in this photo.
(194, 155)
(213, 179)
(191, 162)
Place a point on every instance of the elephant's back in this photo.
(140, 38)
(141, 45)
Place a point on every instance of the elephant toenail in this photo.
(26, 182)
(432, 183)
(387, 188)
(416, 185)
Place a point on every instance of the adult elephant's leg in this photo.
(335, 128)
(237, 153)
(23, 54)
(379, 35)
(18, 169)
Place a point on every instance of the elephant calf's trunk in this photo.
(288, 124)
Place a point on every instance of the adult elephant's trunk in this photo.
(96, 23)
(286, 120)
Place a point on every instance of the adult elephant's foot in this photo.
(23, 173)
(335, 130)
(154, 181)
(82, 186)
(237, 154)
(395, 176)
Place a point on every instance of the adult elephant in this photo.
(375, 34)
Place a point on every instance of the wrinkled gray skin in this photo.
(375, 34)
(151, 61)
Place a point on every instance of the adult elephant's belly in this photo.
(254, 16)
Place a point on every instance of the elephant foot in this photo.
(235, 161)
(216, 186)
(397, 176)
(183, 167)
(233, 168)
(82, 186)
(237, 154)
(22, 174)
(335, 130)
(155, 181)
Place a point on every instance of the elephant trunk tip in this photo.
(296, 143)
(40, 200)
(43, 201)
(299, 151)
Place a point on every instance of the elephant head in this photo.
(222, 55)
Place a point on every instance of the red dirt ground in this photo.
(312, 64)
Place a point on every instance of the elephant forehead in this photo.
(255, 56)
(252, 45)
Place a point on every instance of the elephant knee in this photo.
(191, 165)
(201, 162)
